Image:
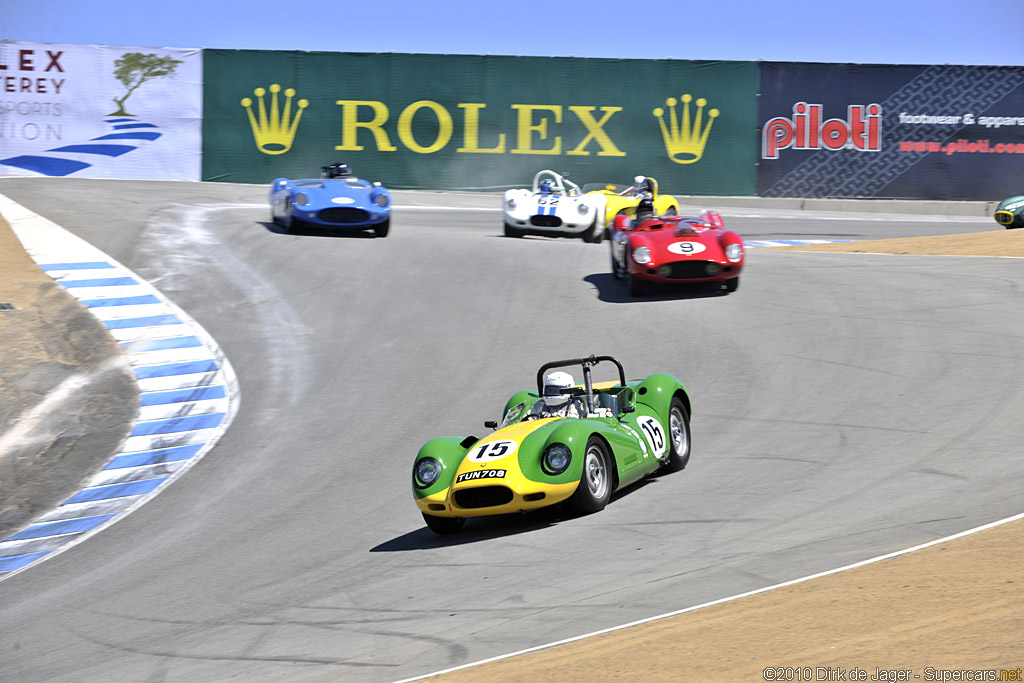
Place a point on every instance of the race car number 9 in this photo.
(654, 433)
(493, 450)
(686, 247)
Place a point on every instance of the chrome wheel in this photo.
(679, 436)
(595, 472)
(677, 428)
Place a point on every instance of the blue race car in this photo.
(335, 200)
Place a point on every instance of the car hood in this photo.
(701, 244)
(497, 455)
(329, 191)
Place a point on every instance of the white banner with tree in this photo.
(96, 111)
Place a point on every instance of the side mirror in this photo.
(491, 424)
(627, 401)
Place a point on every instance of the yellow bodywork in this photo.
(626, 204)
(526, 493)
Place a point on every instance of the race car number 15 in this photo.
(654, 433)
(493, 450)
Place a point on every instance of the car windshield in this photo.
(514, 414)
(605, 187)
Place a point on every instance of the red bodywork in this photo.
(680, 249)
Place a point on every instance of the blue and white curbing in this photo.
(762, 244)
(188, 391)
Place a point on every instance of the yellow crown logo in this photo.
(274, 134)
(685, 141)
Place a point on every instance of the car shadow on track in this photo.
(319, 232)
(614, 291)
(478, 529)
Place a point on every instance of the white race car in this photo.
(555, 207)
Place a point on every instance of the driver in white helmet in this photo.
(554, 403)
(638, 187)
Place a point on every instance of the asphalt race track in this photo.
(846, 406)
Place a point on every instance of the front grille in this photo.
(343, 214)
(682, 270)
(545, 221)
(483, 497)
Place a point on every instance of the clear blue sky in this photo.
(857, 31)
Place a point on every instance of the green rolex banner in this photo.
(480, 122)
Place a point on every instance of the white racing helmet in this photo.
(553, 385)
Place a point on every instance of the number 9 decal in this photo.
(686, 247)
(654, 433)
(493, 450)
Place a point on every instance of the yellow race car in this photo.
(624, 199)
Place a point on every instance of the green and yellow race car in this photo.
(1010, 213)
(566, 442)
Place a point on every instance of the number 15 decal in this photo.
(493, 450)
(654, 433)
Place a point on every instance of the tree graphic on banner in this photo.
(135, 68)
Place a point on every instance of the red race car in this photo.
(675, 249)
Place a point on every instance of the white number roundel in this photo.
(492, 450)
(654, 433)
(686, 248)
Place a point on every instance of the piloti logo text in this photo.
(862, 130)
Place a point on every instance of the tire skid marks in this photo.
(188, 391)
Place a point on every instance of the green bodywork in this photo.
(631, 448)
(1010, 212)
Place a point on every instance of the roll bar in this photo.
(586, 363)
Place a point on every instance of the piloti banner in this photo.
(94, 111)
(479, 122)
(917, 132)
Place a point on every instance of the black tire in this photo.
(636, 286)
(443, 525)
(592, 234)
(293, 226)
(381, 229)
(511, 231)
(671, 211)
(678, 436)
(616, 270)
(733, 284)
(595, 488)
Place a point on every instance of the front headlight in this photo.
(734, 252)
(511, 204)
(381, 200)
(642, 255)
(556, 459)
(301, 200)
(582, 208)
(426, 472)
